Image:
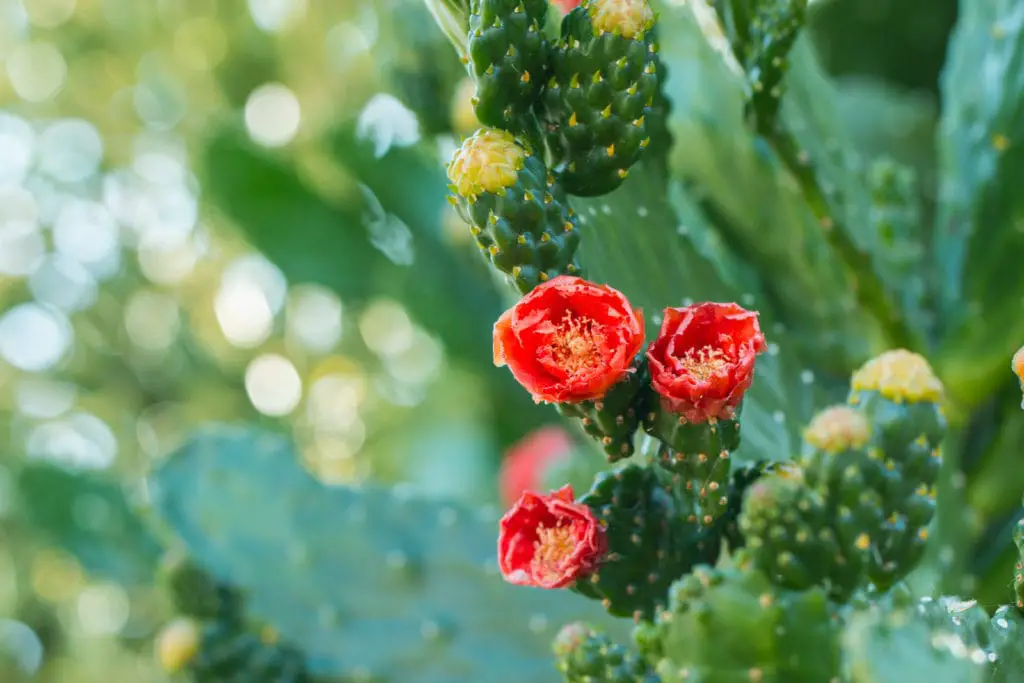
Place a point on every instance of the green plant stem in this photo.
(870, 293)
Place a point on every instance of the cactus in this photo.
(584, 655)
(766, 529)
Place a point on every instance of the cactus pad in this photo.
(737, 627)
(508, 59)
(588, 656)
(605, 78)
(786, 526)
(372, 583)
(517, 213)
(650, 542)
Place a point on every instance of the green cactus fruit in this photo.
(1006, 632)
(650, 543)
(773, 29)
(195, 593)
(603, 85)
(850, 476)
(735, 626)
(697, 454)
(615, 418)
(508, 56)
(584, 655)
(900, 396)
(789, 538)
(519, 215)
(228, 654)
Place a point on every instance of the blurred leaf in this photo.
(373, 580)
(979, 234)
(89, 518)
(399, 210)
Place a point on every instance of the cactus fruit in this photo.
(786, 526)
(584, 655)
(735, 626)
(508, 57)
(850, 477)
(604, 80)
(650, 543)
(516, 211)
(900, 396)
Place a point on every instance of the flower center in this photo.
(576, 346)
(704, 362)
(553, 546)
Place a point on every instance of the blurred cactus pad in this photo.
(493, 341)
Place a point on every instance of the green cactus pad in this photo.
(508, 57)
(773, 29)
(603, 85)
(519, 215)
(735, 626)
(899, 395)
(786, 526)
(584, 655)
(374, 583)
(650, 542)
(615, 418)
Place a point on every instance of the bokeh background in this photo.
(220, 210)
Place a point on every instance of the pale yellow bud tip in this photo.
(629, 18)
(489, 161)
(837, 429)
(177, 645)
(899, 375)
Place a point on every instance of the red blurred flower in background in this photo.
(566, 6)
(569, 340)
(702, 362)
(526, 461)
(549, 541)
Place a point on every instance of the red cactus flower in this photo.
(1018, 369)
(569, 340)
(524, 464)
(549, 541)
(703, 359)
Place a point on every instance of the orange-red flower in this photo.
(523, 466)
(569, 340)
(549, 541)
(703, 359)
(566, 6)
